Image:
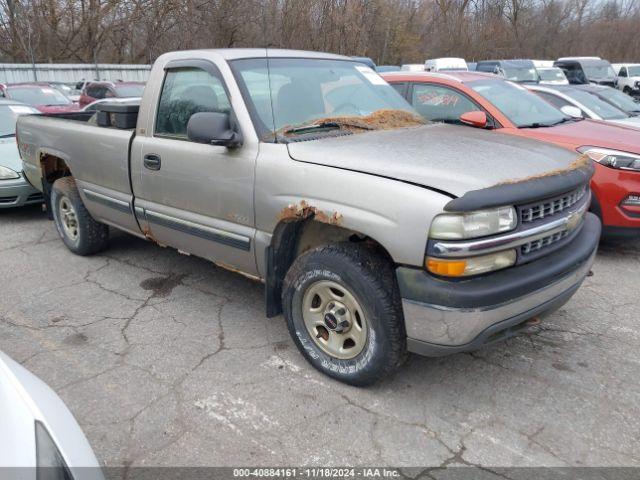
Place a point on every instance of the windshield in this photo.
(599, 71)
(551, 74)
(634, 71)
(520, 74)
(38, 96)
(129, 90)
(8, 116)
(600, 107)
(620, 100)
(519, 105)
(296, 92)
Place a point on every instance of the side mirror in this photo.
(475, 119)
(570, 110)
(213, 128)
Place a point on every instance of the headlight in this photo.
(49, 461)
(613, 158)
(7, 174)
(465, 267)
(459, 226)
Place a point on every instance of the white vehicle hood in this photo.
(24, 398)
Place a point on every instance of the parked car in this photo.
(366, 61)
(39, 95)
(579, 101)
(580, 70)
(387, 68)
(628, 78)
(39, 438)
(67, 89)
(514, 70)
(93, 91)
(94, 106)
(542, 63)
(279, 167)
(15, 191)
(412, 67)
(552, 76)
(615, 97)
(487, 102)
(445, 64)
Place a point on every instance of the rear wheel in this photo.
(627, 90)
(79, 231)
(344, 313)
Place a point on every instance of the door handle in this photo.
(152, 161)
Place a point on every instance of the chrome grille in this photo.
(546, 208)
(539, 244)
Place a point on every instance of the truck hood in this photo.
(454, 159)
(9, 156)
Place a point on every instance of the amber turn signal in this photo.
(447, 268)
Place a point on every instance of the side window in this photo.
(401, 88)
(554, 100)
(440, 104)
(623, 72)
(187, 91)
(486, 67)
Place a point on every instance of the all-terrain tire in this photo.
(80, 232)
(370, 279)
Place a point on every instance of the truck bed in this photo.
(101, 158)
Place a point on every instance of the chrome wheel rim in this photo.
(334, 319)
(68, 218)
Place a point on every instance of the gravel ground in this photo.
(166, 360)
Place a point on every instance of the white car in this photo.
(628, 77)
(552, 76)
(412, 67)
(578, 102)
(450, 64)
(38, 430)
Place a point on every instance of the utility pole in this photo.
(33, 60)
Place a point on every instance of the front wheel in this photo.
(344, 313)
(80, 232)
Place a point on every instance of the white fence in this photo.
(69, 72)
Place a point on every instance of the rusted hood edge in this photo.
(523, 191)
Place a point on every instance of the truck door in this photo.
(192, 196)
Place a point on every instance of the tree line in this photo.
(388, 31)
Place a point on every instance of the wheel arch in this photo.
(291, 238)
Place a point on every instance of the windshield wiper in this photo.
(313, 128)
(544, 125)
(534, 125)
(7, 135)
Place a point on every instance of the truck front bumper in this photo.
(18, 192)
(444, 317)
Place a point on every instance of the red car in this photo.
(93, 91)
(486, 101)
(39, 95)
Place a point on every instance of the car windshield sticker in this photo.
(21, 109)
(370, 75)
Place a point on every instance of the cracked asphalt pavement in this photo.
(167, 360)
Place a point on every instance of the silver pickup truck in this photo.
(373, 233)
